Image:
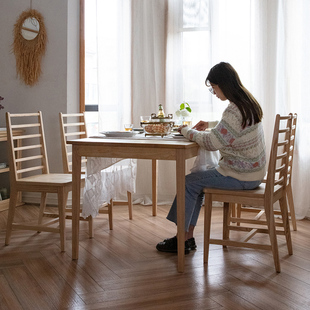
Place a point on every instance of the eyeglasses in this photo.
(211, 90)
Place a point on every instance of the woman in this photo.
(238, 136)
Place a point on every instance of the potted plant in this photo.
(1, 106)
(184, 114)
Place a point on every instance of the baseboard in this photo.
(35, 198)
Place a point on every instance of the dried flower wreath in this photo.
(28, 53)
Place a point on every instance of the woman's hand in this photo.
(181, 127)
(201, 126)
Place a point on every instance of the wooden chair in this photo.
(29, 172)
(73, 126)
(290, 201)
(275, 189)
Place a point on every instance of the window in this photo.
(195, 28)
(189, 56)
(107, 62)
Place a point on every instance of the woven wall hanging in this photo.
(29, 45)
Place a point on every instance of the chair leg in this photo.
(154, 186)
(62, 202)
(233, 209)
(42, 207)
(291, 206)
(129, 198)
(226, 215)
(110, 214)
(239, 207)
(272, 234)
(207, 227)
(91, 232)
(286, 224)
(12, 206)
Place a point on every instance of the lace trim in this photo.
(106, 179)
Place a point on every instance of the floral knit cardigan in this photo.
(243, 151)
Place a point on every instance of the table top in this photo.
(160, 142)
(165, 149)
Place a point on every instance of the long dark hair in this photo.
(227, 79)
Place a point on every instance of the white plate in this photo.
(138, 129)
(118, 134)
(178, 136)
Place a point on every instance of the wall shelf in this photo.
(4, 204)
(2, 170)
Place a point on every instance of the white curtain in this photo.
(148, 46)
(126, 57)
(108, 61)
(148, 32)
(293, 90)
(265, 40)
(267, 43)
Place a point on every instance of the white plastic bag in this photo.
(205, 160)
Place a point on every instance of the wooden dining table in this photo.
(155, 149)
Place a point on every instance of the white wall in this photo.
(53, 93)
(58, 88)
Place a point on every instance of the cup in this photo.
(145, 119)
(187, 122)
(128, 127)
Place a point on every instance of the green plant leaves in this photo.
(186, 106)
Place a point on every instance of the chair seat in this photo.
(256, 195)
(50, 179)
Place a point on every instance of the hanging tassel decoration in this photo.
(29, 53)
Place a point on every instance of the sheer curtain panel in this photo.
(160, 51)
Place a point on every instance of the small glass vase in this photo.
(186, 120)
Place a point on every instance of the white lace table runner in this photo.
(106, 179)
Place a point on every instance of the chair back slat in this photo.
(71, 134)
(34, 168)
(72, 126)
(25, 126)
(28, 147)
(26, 136)
(28, 158)
(27, 150)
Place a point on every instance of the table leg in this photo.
(76, 190)
(180, 181)
(154, 186)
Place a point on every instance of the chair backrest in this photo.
(27, 150)
(279, 154)
(292, 148)
(72, 126)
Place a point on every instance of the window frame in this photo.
(82, 57)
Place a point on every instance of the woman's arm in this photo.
(201, 125)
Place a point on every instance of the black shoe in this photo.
(191, 243)
(170, 245)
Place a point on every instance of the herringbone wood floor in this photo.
(121, 269)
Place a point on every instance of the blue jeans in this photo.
(194, 185)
